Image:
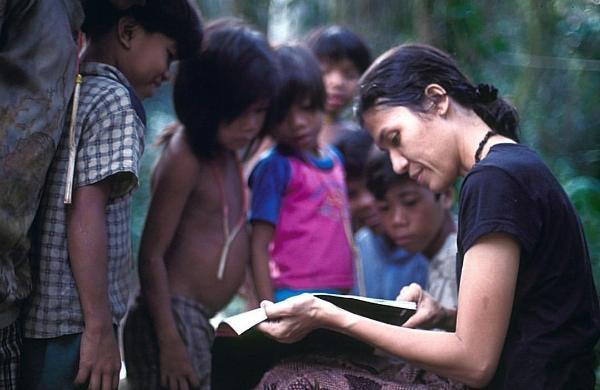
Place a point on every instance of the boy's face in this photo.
(411, 215)
(301, 126)
(242, 130)
(340, 78)
(363, 208)
(147, 61)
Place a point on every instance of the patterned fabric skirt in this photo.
(141, 347)
(351, 372)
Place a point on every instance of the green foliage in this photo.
(585, 195)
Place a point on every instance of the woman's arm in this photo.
(173, 180)
(469, 355)
(262, 234)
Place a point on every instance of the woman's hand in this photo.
(430, 313)
(290, 320)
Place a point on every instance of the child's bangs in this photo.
(304, 86)
(258, 81)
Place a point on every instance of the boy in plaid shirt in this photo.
(81, 258)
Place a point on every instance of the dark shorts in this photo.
(50, 363)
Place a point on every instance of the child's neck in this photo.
(313, 152)
(96, 52)
(330, 118)
(225, 155)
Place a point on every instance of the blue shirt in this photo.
(388, 268)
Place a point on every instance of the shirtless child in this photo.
(195, 247)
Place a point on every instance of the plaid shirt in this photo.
(110, 141)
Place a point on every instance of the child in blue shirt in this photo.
(384, 267)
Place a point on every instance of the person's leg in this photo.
(10, 353)
(50, 363)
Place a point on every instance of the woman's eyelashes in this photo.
(394, 138)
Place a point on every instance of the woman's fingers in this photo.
(412, 293)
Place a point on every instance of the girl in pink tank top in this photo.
(301, 238)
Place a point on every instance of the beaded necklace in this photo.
(485, 139)
(229, 236)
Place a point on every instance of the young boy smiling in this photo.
(81, 253)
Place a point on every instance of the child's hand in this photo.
(290, 320)
(176, 370)
(99, 359)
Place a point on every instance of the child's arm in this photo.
(173, 180)
(268, 182)
(87, 241)
(262, 234)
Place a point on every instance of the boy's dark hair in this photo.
(301, 80)
(177, 19)
(399, 78)
(354, 146)
(380, 174)
(337, 43)
(235, 69)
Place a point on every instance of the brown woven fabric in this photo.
(351, 372)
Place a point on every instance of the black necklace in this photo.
(482, 144)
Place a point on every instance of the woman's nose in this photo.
(399, 163)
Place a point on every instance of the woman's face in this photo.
(420, 144)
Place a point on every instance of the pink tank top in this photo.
(310, 248)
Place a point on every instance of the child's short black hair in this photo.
(380, 174)
(354, 145)
(301, 80)
(177, 19)
(235, 69)
(337, 43)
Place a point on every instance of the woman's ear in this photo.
(126, 30)
(438, 95)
